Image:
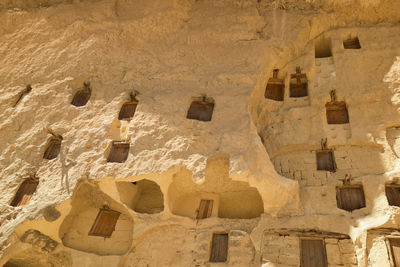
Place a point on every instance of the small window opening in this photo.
(105, 222)
(119, 151)
(394, 252)
(25, 192)
(219, 248)
(351, 43)
(325, 158)
(128, 109)
(336, 111)
(323, 47)
(205, 209)
(82, 96)
(350, 197)
(275, 87)
(393, 194)
(298, 84)
(313, 253)
(201, 110)
(21, 95)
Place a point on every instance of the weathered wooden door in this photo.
(205, 208)
(336, 112)
(201, 111)
(325, 161)
(350, 197)
(24, 193)
(395, 250)
(219, 248)
(127, 111)
(53, 149)
(313, 253)
(119, 152)
(393, 194)
(105, 223)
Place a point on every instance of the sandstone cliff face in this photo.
(255, 162)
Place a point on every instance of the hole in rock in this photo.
(351, 43)
(82, 96)
(219, 247)
(119, 151)
(313, 253)
(105, 222)
(143, 196)
(127, 110)
(201, 110)
(394, 251)
(336, 112)
(393, 194)
(230, 199)
(205, 209)
(25, 192)
(298, 84)
(96, 223)
(325, 160)
(323, 47)
(275, 87)
(53, 148)
(350, 197)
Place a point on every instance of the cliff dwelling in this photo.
(201, 133)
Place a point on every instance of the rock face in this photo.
(154, 133)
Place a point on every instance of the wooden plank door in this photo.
(313, 253)
(205, 208)
(127, 111)
(53, 149)
(24, 193)
(219, 248)
(350, 197)
(105, 222)
(393, 194)
(201, 111)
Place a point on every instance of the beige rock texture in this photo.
(256, 158)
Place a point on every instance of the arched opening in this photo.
(275, 87)
(119, 151)
(143, 196)
(96, 223)
(217, 196)
(82, 96)
(298, 84)
(323, 47)
(25, 192)
(201, 109)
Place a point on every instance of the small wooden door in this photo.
(119, 152)
(105, 222)
(395, 251)
(275, 88)
(205, 209)
(81, 98)
(53, 149)
(201, 111)
(219, 248)
(393, 194)
(24, 193)
(127, 111)
(336, 112)
(298, 84)
(350, 197)
(325, 161)
(313, 253)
